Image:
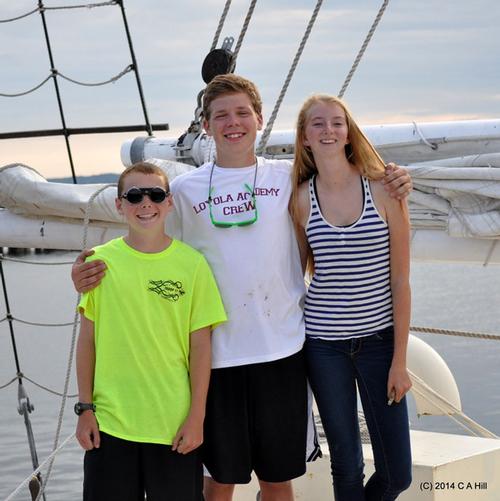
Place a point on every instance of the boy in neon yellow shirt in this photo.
(143, 355)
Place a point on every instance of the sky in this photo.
(429, 60)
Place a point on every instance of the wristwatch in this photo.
(80, 407)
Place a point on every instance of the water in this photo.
(464, 297)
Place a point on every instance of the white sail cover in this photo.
(41, 214)
(455, 209)
(23, 190)
(464, 201)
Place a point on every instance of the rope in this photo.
(130, 67)
(21, 375)
(221, 24)
(31, 475)
(19, 17)
(73, 341)
(444, 406)
(269, 126)
(54, 392)
(425, 330)
(86, 218)
(27, 261)
(63, 404)
(38, 324)
(81, 6)
(18, 94)
(40, 9)
(490, 252)
(244, 28)
(447, 332)
(15, 165)
(3, 319)
(8, 384)
(122, 73)
(363, 48)
(432, 146)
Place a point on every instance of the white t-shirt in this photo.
(257, 267)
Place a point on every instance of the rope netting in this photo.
(64, 395)
(49, 458)
(3, 257)
(39, 385)
(55, 72)
(61, 7)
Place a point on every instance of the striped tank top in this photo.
(350, 292)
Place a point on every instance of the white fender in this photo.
(430, 376)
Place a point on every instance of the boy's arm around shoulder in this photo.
(190, 434)
(87, 275)
(397, 181)
(87, 430)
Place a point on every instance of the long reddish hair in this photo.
(359, 152)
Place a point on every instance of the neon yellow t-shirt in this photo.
(143, 312)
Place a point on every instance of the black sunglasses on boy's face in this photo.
(136, 195)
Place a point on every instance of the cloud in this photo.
(419, 65)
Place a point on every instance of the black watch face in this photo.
(79, 408)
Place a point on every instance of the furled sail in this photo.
(454, 206)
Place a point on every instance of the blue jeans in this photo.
(334, 368)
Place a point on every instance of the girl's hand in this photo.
(398, 383)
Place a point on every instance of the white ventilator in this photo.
(431, 376)
(434, 387)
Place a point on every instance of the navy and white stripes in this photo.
(350, 293)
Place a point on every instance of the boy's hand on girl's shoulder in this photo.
(397, 181)
(87, 276)
(189, 437)
(87, 431)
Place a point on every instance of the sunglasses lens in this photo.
(134, 196)
(157, 195)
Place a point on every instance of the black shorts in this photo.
(256, 419)
(123, 471)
